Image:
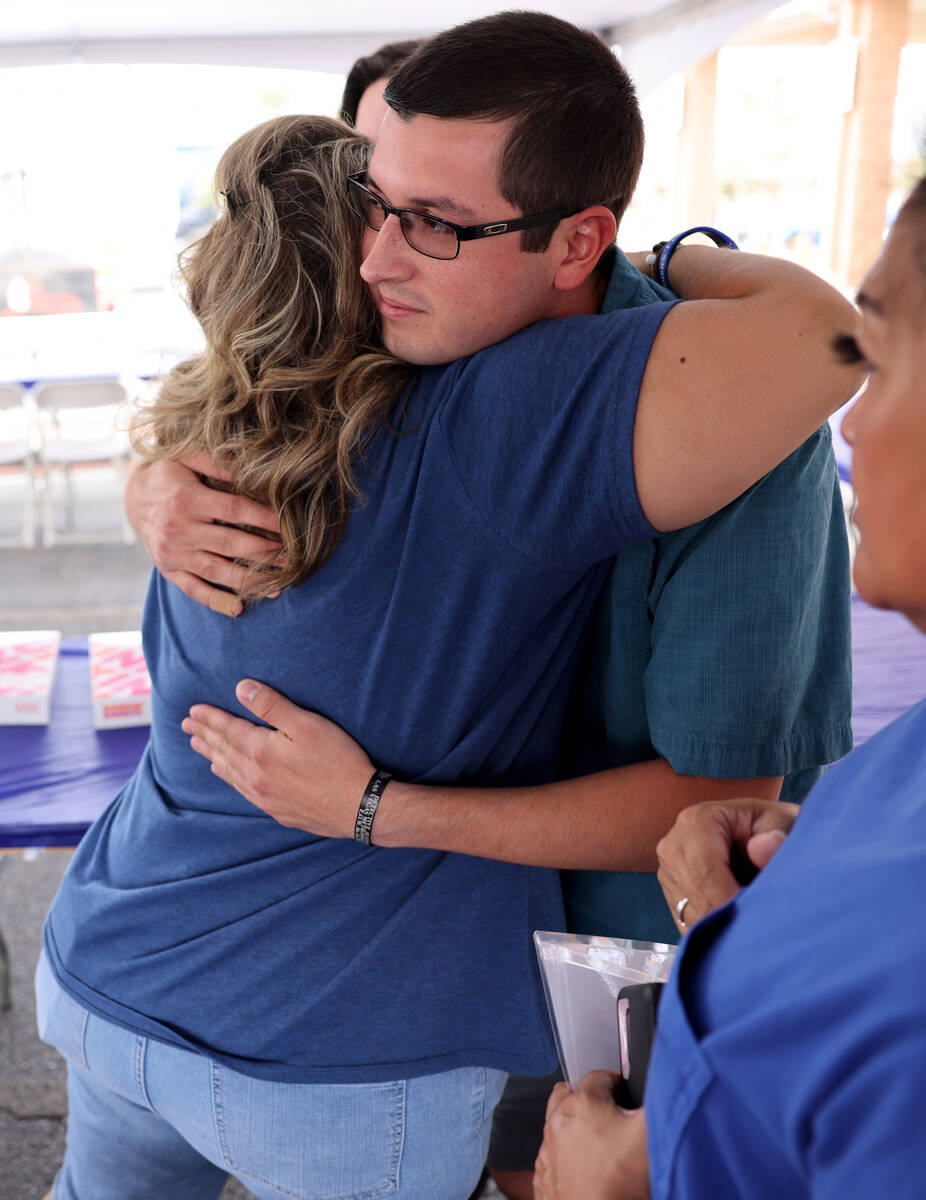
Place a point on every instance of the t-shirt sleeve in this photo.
(749, 671)
(540, 431)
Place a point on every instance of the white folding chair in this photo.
(78, 423)
(17, 450)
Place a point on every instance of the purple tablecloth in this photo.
(54, 781)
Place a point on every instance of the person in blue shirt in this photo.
(702, 666)
(705, 676)
(718, 663)
(789, 1050)
(310, 1011)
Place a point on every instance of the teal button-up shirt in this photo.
(723, 648)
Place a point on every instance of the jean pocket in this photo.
(311, 1141)
(61, 1021)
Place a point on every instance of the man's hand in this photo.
(174, 514)
(711, 846)
(592, 1149)
(268, 766)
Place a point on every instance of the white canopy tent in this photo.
(657, 37)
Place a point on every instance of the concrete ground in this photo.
(78, 589)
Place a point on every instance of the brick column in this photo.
(694, 179)
(864, 184)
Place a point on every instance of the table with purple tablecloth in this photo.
(889, 668)
(54, 781)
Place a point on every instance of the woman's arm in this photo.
(736, 379)
(715, 847)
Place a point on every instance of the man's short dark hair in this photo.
(382, 64)
(577, 133)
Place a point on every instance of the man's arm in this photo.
(309, 774)
(736, 380)
(175, 515)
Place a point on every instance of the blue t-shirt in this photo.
(443, 634)
(790, 1051)
(724, 648)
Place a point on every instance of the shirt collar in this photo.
(627, 288)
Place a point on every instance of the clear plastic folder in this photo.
(582, 977)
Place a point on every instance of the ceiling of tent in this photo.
(657, 36)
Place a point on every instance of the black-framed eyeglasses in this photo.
(426, 233)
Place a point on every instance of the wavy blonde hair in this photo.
(294, 381)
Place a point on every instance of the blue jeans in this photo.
(148, 1121)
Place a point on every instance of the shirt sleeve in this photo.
(540, 427)
(749, 672)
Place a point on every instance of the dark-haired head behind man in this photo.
(719, 660)
(362, 104)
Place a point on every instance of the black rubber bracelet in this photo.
(665, 250)
(363, 826)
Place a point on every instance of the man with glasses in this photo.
(719, 660)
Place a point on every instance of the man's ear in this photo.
(585, 237)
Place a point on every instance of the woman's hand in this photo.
(712, 846)
(592, 1149)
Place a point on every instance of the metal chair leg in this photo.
(6, 1000)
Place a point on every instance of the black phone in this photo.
(637, 1006)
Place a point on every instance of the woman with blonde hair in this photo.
(293, 380)
(317, 1015)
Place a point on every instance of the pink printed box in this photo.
(120, 688)
(27, 674)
